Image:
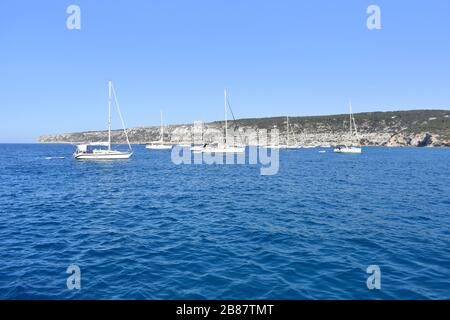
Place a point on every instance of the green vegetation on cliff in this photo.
(413, 127)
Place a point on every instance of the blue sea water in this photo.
(147, 228)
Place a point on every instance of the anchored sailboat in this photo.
(159, 145)
(96, 150)
(225, 147)
(274, 146)
(350, 148)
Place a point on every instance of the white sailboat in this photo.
(102, 150)
(350, 148)
(274, 146)
(159, 145)
(198, 149)
(220, 148)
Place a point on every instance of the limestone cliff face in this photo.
(418, 128)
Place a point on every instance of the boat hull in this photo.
(347, 150)
(220, 150)
(103, 156)
(158, 147)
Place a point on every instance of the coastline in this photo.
(414, 128)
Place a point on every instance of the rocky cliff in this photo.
(419, 128)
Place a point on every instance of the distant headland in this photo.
(418, 128)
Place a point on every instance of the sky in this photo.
(275, 57)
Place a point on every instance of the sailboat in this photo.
(102, 150)
(350, 148)
(159, 145)
(274, 146)
(225, 147)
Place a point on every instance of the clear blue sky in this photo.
(276, 57)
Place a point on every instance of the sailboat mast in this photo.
(109, 114)
(120, 114)
(351, 132)
(356, 131)
(226, 121)
(287, 131)
(162, 128)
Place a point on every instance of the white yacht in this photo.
(347, 149)
(222, 147)
(350, 148)
(159, 145)
(279, 146)
(102, 150)
(218, 148)
(198, 148)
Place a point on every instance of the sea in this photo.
(374, 225)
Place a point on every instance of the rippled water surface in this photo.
(147, 228)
